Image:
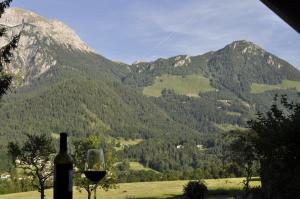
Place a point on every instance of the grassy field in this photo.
(228, 127)
(190, 85)
(233, 113)
(148, 190)
(128, 142)
(136, 166)
(260, 88)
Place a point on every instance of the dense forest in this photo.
(87, 94)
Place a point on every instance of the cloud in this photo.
(127, 30)
(195, 27)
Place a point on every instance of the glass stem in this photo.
(95, 191)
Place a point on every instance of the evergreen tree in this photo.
(6, 52)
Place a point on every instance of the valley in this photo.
(161, 120)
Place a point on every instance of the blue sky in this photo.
(129, 30)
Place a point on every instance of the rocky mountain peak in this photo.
(35, 54)
(54, 29)
(246, 47)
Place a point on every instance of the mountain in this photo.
(227, 86)
(244, 63)
(61, 84)
(234, 67)
(195, 93)
(50, 48)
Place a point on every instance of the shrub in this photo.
(255, 193)
(195, 190)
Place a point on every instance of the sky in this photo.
(144, 30)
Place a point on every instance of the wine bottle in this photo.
(63, 171)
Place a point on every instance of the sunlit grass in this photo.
(190, 85)
(229, 127)
(126, 142)
(286, 84)
(233, 113)
(146, 189)
(136, 166)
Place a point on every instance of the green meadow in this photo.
(127, 142)
(190, 85)
(136, 166)
(218, 188)
(229, 127)
(286, 84)
(233, 113)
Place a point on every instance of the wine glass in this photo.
(95, 167)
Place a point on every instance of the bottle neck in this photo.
(63, 143)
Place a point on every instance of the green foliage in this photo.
(273, 141)
(202, 113)
(35, 157)
(256, 192)
(14, 185)
(6, 52)
(81, 146)
(139, 176)
(243, 153)
(87, 94)
(276, 142)
(195, 190)
(123, 166)
(179, 157)
(85, 107)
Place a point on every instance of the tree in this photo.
(6, 52)
(276, 141)
(81, 147)
(243, 153)
(195, 190)
(35, 157)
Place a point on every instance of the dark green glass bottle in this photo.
(63, 171)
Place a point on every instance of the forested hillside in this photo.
(178, 106)
(85, 107)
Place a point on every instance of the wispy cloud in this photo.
(195, 27)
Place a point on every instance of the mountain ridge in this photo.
(55, 29)
(47, 65)
(60, 88)
(48, 45)
(41, 36)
